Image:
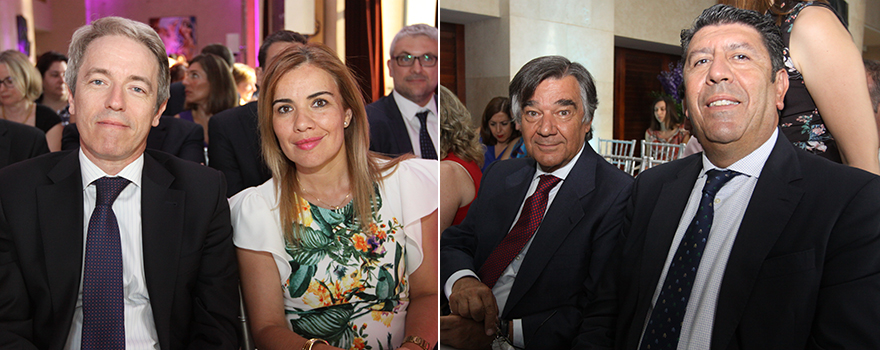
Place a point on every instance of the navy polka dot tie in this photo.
(529, 220)
(427, 147)
(664, 327)
(102, 300)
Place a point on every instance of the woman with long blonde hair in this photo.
(339, 248)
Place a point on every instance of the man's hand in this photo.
(474, 300)
(462, 333)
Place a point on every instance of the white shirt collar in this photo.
(408, 109)
(751, 164)
(562, 172)
(91, 172)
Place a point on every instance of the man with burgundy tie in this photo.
(110, 246)
(406, 121)
(526, 260)
(754, 243)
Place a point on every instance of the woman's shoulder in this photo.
(255, 198)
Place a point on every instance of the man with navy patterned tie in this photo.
(406, 121)
(752, 244)
(110, 246)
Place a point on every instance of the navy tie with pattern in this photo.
(102, 300)
(664, 327)
(427, 147)
(529, 220)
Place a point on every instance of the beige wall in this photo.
(656, 21)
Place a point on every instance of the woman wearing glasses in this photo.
(20, 85)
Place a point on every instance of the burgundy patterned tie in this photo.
(102, 300)
(529, 220)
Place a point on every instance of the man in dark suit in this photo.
(235, 133)
(19, 142)
(540, 284)
(406, 121)
(110, 246)
(175, 136)
(781, 256)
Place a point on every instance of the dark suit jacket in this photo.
(189, 259)
(804, 271)
(19, 142)
(235, 148)
(176, 99)
(388, 133)
(560, 271)
(181, 138)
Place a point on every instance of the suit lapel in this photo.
(5, 145)
(60, 217)
(775, 198)
(162, 211)
(401, 135)
(564, 213)
(515, 185)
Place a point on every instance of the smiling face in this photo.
(730, 97)
(660, 111)
(416, 83)
(552, 123)
(115, 101)
(501, 127)
(196, 84)
(309, 119)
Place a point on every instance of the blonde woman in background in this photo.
(245, 82)
(20, 85)
(461, 156)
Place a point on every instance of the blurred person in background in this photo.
(666, 126)
(209, 90)
(20, 85)
(245, 82)
(52, 66)
(460, 158)
(499, 133)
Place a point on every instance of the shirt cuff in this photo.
(518, 340)
(447, 288)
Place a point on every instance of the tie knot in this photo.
(109, 188)
(546, 183)
(423, 116)
(715, 179)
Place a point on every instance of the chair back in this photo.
(620, 153)
(656, 153)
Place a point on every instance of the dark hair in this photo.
(221, 51)
(495, 105)
(223, 94)
(47, 59)
(285, 36)
(723, 14)
(872, 68)
(523, 85)
(177, 71)
(672, 119)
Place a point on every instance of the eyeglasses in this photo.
(8, 82)
(407, 60)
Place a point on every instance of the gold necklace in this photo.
(334, 207)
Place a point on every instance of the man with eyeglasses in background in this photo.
(406, 121)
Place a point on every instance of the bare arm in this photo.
(458, 191)
(264, 302)
(53, 137)
(421, 316)
(823, 51)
